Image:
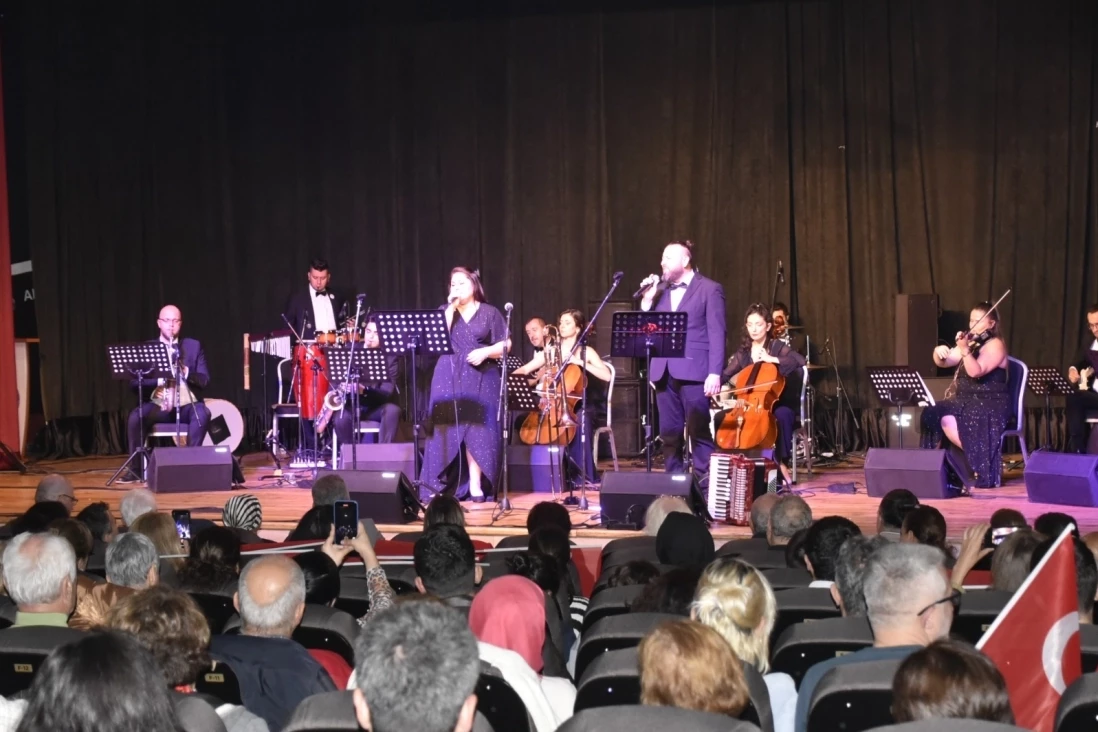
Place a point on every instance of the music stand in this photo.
(520, 397)
(411, 332)
(648, 335)
(136, 362)
(1047, 381)
(899, 386)
(513, 362)
(363, 365)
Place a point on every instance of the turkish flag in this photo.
(1035, 639)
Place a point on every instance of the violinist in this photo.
(758, 344)
(779, 313)
(973, 418)
(1083, 402)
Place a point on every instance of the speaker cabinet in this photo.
(385, 496)
(1064, 479)
(533, 468)
(396, 457)
(625, 497)
(186, 469)
(923, 472)
(916, 331)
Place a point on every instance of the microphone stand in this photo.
(353, 394)
(841, 396)
(503, 416)
(177, 351)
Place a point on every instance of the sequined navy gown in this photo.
(981, 407)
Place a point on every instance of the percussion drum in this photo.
(310, 385)
(327, 337)
(350, 335)
(233, 420)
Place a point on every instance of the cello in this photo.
(750, 420)
(555, 422)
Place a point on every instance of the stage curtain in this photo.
(9, 395)
(202, 154)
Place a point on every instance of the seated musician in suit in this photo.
(186, 356)
(1081, 404)
(317, 309)
(377, 402)
(758, 346)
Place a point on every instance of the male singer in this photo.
(185, 354)
(684, 385)
(318, 309)
(378, 400)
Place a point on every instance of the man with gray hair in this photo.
(417, 668)
(136, 503)
(788, 516)
(275, 672)
(910, 604)
(850, 568)
(133, 564)
(40, 576)
(328, 489)
(56, 488)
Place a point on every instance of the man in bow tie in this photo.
(317, 309)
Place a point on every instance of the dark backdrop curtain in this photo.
(201, 154)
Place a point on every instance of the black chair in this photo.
(615, 633)
(801, 604)
(735, 547)
(22, 651)
(196, 713)
(1088, 642)
(612, 679)
(1078, 707)
(853, 697)
(977, 612)
(611, 601)
(220, 682)
(627, 542)
(322, 628)
(770, 559)
(335, 712)
(600, 584)
(802, 646)
(950, 725)
(217, 609)
(781, 579)
(639, 553)
(501, 705)
(652, 719)
(410, 537)
(514, 542)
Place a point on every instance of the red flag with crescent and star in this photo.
(1035, 639)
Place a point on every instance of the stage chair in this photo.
(614, 633)
(1017, 376)
(1078, 706)
(854, 697)
(607, 429)
(802, 433)
(803, 645)
(643, 719)
(611, 601)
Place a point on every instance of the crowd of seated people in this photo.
(706, 624)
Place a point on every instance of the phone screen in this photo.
(182, 524)
(999, 535)
(346, 520)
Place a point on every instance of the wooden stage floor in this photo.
(283, 506)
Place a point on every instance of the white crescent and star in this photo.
(1052, 651)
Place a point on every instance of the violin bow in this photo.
(990, 310)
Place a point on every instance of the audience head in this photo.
(79, 537)
(1007, 518)
(509, 612)
(684, 541)
(270, 597)
(907, 594)
(1010, 560)
(788, 516)
(322, 581)
(133, 561)
(670, 593)
(794, 550)
(38, 518)
(213, 561)
(135, 503)
(40, 573)
(315, 524)
(822, 543)
(97, 517)
(538, 568)
(1053, 523)
(170, 626)
(417, 668)
(443, 509)
(548, 513)
(925, 525)
(56, 488)
(734, 599)
(1086, 574)
(445, 562)
(949, 680)
(1091, 540)
(760, 514)
(551, 542)
(637, 572)
(108, 681)
(894, 506)
(687, 665)
(328, 489)
(161, 529)
(660, 509)
(243, 511)
(854, 555)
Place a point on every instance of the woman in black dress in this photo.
(465, 393)
(975, 416)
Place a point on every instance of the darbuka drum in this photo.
(327, 337)
(350, 335)
(233, 421)
(310, 384)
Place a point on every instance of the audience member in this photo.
(443, 509)
(56, 488)
(687, 665)
(97, 517)
(548, 513)
(637, 572)
(761, 509)
(848, 590)
(684, 541)
(949, 680)
(734, 599)
(446, 566)
(788, 516)
(1010, 560)
(132, 564)
(660, 509)
(1053, 523)
(1086, 574)
(552, 542)
(136, 502)
(322, 581)
(213, 563)
(508, 618)
(40, 577)
(38, 518)
(670, 593)
(909, 603)
(1091, 540)
(328, 489)
(538, 568)
(161, 529)
(170, 626)
(104, 681)
(315, 525)
(927, 526)
(794, 551)
(1005, 518)
(418, 669)
(243, 515)
(894, 506)
(380, 594)
(821, 547)
(79, 537)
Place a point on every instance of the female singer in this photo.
(975, 417)
(758, 345)
(570, 324)
(465, 393)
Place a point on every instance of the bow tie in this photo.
(322, 293)
(677, 286)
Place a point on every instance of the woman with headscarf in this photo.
(684, 541)
(508, 618)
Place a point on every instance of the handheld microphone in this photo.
(645, 284)
(508, 307)
(361, 297)
(618, 276)
(452, 299)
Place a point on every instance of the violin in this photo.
(750, 423)
(976, 340)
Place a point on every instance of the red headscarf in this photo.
(510, 613)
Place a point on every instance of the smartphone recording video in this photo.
(346, 520)
(182, 524)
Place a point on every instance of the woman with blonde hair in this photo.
(688, 665)
(160, 528)
(734, 599)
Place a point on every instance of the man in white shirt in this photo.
(317, 309)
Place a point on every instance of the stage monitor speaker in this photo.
(533, 468)
(1063, 479)
(923, 472)
(385, 496)
(916, 332)
(187, 469)
(395, 457)
(625, 497)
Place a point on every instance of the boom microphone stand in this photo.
(503, 416)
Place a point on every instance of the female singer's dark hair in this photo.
(993, 315)
(474, 277)
(763, 312)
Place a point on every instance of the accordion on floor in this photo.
(735, 481)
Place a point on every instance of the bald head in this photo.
(170, 321)
(271, 596)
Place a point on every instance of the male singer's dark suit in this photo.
(196, 416)
(680, 389)
(299, 309)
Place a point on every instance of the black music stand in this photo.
(648, 335)
(1046, 382)
(414, 332)
(520, 397)
(363, 365)
(136, 362)
(513, 362)
(899, 386)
